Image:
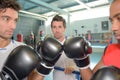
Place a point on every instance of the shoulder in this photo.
(16, 43)
(112, 46)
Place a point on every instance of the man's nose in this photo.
(13, 24)
(57, 29)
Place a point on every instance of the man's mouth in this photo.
(117, 35)
(10, 32)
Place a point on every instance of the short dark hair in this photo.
(9, 4)
(59, 18)
(114, 1)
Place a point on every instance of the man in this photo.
(8, 19)
(111, 53)
(58, 27)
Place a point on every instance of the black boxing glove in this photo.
(50, 51)
(21, 61)
(78, 49)
(107, 73)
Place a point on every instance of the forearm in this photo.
(86, 74)
(35, 76)
(69, 70)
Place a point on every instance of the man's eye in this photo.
(60, 26)
(53, 27)
(118, 18)
(16, 20)
(111, 21)
(5, 18)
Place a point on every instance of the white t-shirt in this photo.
(63, 62)
(4, 52)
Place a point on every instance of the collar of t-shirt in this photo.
(8, 46)
(62, 42)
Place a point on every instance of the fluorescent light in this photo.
(81, 3)
(34, 14)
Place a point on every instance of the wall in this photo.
(90, 19)
(83, 26)
(25, 25)
(79, 21)
(94, 25)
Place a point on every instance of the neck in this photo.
(4, 42)
(61, 39)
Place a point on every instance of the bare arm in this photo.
(35, 76)
(70, 67)
(99, 65)
(87, 73)
(69, 70)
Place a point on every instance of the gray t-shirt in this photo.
(4, 52)
(63, 62)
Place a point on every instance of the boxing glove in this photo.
(78, 49)
(107, 73)
(50, 51)
(21, 61)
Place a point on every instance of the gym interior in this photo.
(85, 18)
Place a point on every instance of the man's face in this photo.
(58, 29)
(8, 20)
(115, 18)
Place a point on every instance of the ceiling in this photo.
(46, 8)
